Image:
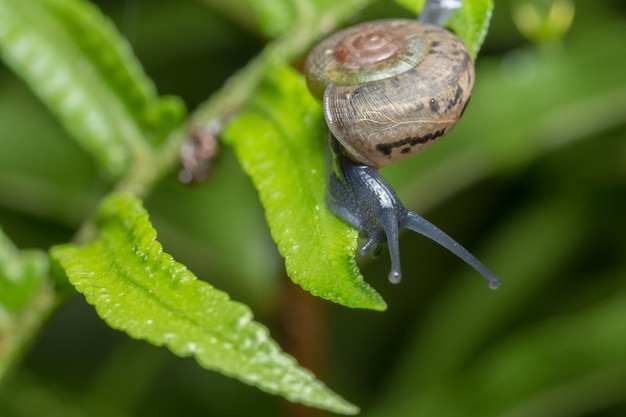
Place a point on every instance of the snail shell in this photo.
(390, 88)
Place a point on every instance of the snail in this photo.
(389, 88)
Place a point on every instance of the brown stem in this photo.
(304, 322)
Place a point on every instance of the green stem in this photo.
(149, 166)
(289, 47)
(16, 334)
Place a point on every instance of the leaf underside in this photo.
(22, 272)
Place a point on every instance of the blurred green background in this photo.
(533, 181)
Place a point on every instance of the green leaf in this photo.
(26, 299)
(138, 288)
(21, 274)
(470, 23)
(85, 72)
(279, 138)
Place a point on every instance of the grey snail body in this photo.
(389, 88)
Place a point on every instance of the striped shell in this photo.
(390, 88)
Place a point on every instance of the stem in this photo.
(150, 166)
(17, 333)
(289, 47)
(304, 321)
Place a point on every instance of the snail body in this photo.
(389, 89)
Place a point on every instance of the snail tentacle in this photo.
(420, 225)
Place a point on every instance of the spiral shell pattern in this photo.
(390, 88)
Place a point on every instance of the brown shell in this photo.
(385, 102)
